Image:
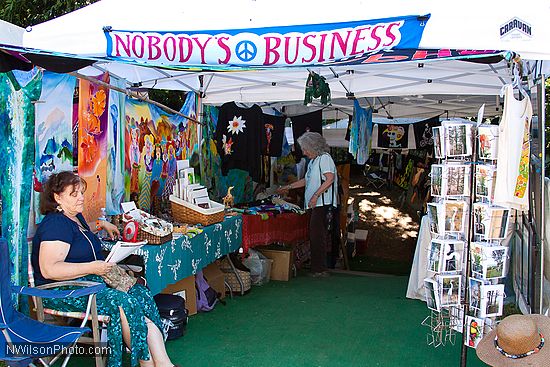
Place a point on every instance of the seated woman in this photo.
(64, 248)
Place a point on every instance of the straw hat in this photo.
(517, 341)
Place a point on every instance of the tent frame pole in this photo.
(133, 95)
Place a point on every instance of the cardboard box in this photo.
(215, 278)
(283, 258)
(186, 289)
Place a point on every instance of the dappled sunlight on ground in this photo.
(387, 215)
(391, 222)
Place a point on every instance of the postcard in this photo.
(458, 139)
(437, 180)
(432, 294)
(435, 255)
(474, 331)
(455, 215)
(492, 300)
(457, 179)
(450, 288)
(488, 142)
(438, 138)
(474, 294)
(486, 178)
(490, 222)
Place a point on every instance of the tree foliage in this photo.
(26, 13)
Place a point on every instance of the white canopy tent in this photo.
(411, 88)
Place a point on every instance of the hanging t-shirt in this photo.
(393, 136)
(312, 121)
(272, 139)
(423, 132)
(316, 169)
(360, 133)
(237, 138)
(512, 183)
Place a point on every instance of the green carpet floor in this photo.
(342, 320)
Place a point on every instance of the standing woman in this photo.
(65, 248)
(321, 197)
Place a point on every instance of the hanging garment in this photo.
(53, 131)
(393, 136)
(17, 116)
(272, 139)
(423, 132)
(114, 194)
(237, 140)
(312, 121)
(360, 133)
(512, 183)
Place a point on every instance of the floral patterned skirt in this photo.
(137, 304)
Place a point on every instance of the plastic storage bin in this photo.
(260, 270)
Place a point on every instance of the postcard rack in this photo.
(465, 258)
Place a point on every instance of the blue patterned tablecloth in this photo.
(172, 261)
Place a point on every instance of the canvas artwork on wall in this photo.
(450, 288)
(486, 178)
(432, 294)
(455, 214)
(490, 222)
(488, 142)
(458, 140)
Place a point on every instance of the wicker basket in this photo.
(231, 278)
(152, 239)
(185, 212)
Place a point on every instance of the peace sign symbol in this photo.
(246, 50)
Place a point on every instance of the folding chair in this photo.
(92, 315)
(22, 339)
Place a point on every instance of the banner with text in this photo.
(285, 46)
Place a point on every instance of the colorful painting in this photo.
(92, 143)
(115, 150)
(53, 131)
(154, 141)
(17, 117)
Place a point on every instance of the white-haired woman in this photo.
(321, 197)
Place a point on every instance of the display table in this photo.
(287, 228)
(419, 270)
(172, 261)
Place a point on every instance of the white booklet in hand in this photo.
(121, 250)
